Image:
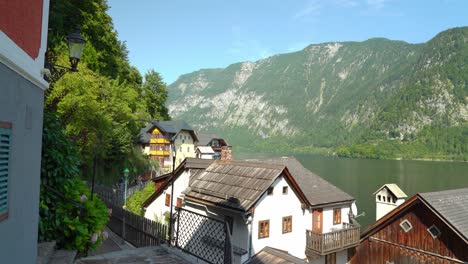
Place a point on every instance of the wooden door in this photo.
(317, 221)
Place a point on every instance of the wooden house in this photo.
(159, 139)
(428, 228)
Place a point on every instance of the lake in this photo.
(361, 177)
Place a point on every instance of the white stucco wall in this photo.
(156, 210)
(273, 208)
(384, 207)
(328, 217)
(185, 147)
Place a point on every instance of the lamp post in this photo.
(76, 43)
(126, 172)
(172, 188)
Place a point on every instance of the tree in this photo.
(155, 95)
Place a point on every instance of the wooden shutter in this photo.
(179, 202)
(5, 134)
(168, 199)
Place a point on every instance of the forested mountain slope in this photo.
(363, 96)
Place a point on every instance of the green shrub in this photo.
(135, 201)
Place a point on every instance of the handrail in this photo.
(324, 243)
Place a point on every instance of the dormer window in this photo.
(434, 231)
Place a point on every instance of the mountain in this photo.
(377, 92)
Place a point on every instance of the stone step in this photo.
(45, 250)
(63, 256)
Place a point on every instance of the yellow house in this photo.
(160, 138)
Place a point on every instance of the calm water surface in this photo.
(361, 177)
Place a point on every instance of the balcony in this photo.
(159, 152)
(326, 243)
(160, 140)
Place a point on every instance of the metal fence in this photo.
(204, 237)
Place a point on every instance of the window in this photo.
(180, 149)
(388, 199)
(270, 191)
(285, 189)
(383, 198)
(394, 200)
(287, 224)
(406, 225)
(317, 220)
(263, 229)
(330, 258)
(5, 132)
(434, 231)
(188, 149)
(337, 216)
(168, 199)
(379, 197)
(179, 203)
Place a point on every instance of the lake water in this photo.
(361, 177)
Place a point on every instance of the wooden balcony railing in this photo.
(326, 243)
(160, 152)
(160, 141)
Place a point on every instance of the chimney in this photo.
(387, 198)
(226, 153)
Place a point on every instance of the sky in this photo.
(176, 37)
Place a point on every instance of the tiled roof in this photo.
(452, 206)
(317, 190)
(393, 188)
(170, 127)
(274, 256)
(195, 166)
(234, 184)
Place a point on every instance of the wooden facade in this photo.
(387, 242)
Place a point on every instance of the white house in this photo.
(158, 204)
(204, 152)
(23, 43)
(387, 198)
(276, 203)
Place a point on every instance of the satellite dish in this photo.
(354, 209)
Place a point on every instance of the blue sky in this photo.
(175, 37)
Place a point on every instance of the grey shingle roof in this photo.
(452, 206)
(270, 255)
(170, 127)
(234, 184)
(317, 190)
(205, 138)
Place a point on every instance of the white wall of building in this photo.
(273, 208)
(383, 204)
(155, 211)
(185, 147)
(328, 224)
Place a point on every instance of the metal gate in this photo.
(204, 237)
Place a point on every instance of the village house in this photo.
(158, 204)
(204, 152)
(428, 228)
(275, 203)
(159, 139)
(222, 149)
(23, 43)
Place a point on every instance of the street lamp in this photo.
(76, 43)
(126, 172)
(174, 152)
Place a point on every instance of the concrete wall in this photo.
(21, 103)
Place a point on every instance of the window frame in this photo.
(406, 230)
(179, 202)
(260, 223)
(335, 213)
(288, 229)
(270, 191)
(167, 202)
(436, 228)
